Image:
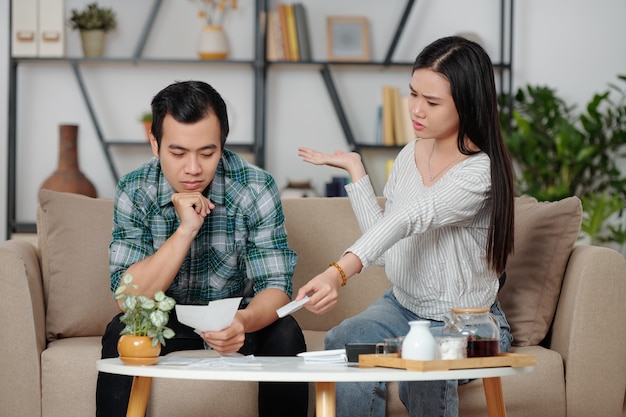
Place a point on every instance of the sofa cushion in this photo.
(545, 233)
(74, 233)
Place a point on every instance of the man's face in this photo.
(189, 153)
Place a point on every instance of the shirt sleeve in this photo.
(364, 203)
(131, 238)
(453, 201)
(269, 260)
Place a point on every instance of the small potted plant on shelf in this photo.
(146, 119)
(146, 324)
(93, 22)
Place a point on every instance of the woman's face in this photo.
(432, 109)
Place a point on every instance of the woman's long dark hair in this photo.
(469, 70)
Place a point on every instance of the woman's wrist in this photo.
(342, 274)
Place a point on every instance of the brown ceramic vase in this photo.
(68, 177)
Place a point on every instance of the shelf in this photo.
(255, 150)
(131, 60)
(326, 67)
(400, 65)
(145, 143)
(258, 66)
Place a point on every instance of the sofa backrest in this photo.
(74, 232)
(319, 230)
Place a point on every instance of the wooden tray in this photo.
(514, 360)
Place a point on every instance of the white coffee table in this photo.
(293, 369)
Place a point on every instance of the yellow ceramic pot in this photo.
(138, 350)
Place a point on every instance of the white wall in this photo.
(575, 46)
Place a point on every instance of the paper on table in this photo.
(325, 356)
(216, 316)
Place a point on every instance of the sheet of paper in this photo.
(216, 316)
(325, 356)
(292, 307)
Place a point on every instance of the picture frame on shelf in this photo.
(347, 38)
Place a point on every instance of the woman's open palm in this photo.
(349, 161)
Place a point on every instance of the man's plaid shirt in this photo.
(240, 250)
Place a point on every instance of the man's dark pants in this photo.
(281, 338)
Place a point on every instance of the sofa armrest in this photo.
(22, 320)
(589, 331)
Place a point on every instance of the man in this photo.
(201, 224)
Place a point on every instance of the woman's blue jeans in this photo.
(386, 318)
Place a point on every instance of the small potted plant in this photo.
(93, 22)
(146, 119)
(146, 324)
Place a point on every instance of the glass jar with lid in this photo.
(481, 328)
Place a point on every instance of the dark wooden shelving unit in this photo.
(259, 65)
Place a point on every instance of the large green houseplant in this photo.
(93, 22)
(559, 153)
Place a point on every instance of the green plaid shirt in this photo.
(240, 250)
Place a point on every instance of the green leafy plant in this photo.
(599, 208)
(93, 17)
(145, 316)
(558, 153)
(146, 117)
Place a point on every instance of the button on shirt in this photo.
(240, 250)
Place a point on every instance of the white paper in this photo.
(292, 307)
(325, 356)
(228, 362)
(216, 316)
(214, 362)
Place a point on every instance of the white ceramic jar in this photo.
(419, 344)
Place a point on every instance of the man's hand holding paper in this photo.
(217, 323)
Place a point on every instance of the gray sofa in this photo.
(566, 304)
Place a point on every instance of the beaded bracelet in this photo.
(344, 279)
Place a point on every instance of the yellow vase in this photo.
(213, 43)
(138, 350)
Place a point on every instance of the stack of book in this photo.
(288, 33)
(395, 127)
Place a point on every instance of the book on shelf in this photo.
(284, 35)
(407, 134)
(274, 48)
(388, 135)
(378, 139)
(397, 129)
(291, 34)
(302, 32)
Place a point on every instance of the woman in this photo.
(447, 227)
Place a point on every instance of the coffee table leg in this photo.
(494, 397)
(139, 395)
(325, 399)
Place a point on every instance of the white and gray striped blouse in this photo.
(431, 240)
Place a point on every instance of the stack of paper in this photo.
(325, 356)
